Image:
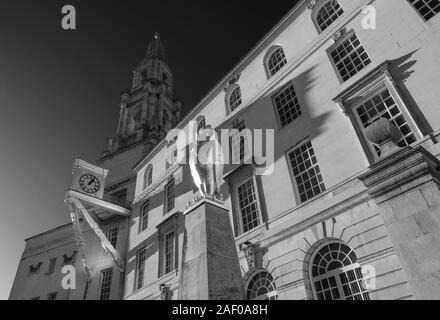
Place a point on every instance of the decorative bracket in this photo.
(251, 251)
(165, 292)
(338, 35)
(35, 269)
(234, 80)
(311, 5)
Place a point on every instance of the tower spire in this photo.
(155, 48)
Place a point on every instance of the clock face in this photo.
(89, 183)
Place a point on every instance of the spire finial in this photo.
(155, 48)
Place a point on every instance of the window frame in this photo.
(171, 253)
(368, 86)
(108, 286)
(144, 215)
(293, 176)
(171, 183)
(317, 9)
(333, 273)
(230, 92)
(138, 275)
(167, 227)
(344, 37)
(120, 197)
(238, 217)
(52, 265)
(266, 296)
(147, 178)
(420, 15)
(275, 107)
(114, 235)
(269, 54)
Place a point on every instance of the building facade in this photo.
(334, 209)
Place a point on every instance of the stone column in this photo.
(210, 268)
(405, 184)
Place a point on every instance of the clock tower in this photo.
(149, 109)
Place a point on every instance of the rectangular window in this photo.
(169, 196)
(52, 296)
(145, 209)
(248, 205)
(383, 105)
(52, 264)
(426, 8)
(169, 252)
(350, 57)
(287, 105)
(120, 197)
(112, 235)
(140, 268)
(106, 284)
(306, 172)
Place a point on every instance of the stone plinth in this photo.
(210, 269)
(406, 189)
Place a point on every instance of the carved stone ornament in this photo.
(338, 35)
(311, 5)
(35, 269)
(385, 135)
(69, 260)
(252, 254)
(249, 252)
(232, 81)
(165, 292)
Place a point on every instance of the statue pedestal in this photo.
(406, 189)
(210, 269)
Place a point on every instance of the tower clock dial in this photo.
(89, 183)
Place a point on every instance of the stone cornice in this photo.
(399, 171)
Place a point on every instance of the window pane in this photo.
(382, 105)
(112, 235)
(328, 14)
(308, 175)
(276, 61)
(170, 197)
(235, 99)
(169, 252)
(262, 287)
(331, 259)
(247, 199)
(350, 57)
(106, 284)
(287, 106)
(426, 8)
(140, 268)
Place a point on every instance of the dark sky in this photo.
(59, 90)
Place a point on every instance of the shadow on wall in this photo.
(402, 71)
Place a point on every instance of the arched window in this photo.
(148, 177)
(261, 286)
(276, 59)
(328, 14)
(234, 98)
(335, 273)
